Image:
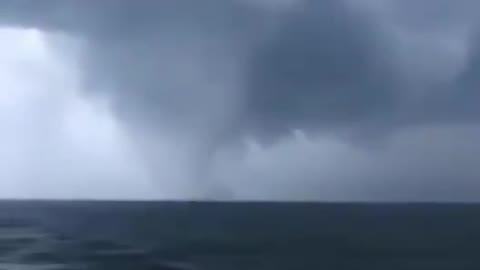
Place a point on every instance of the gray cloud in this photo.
(314, 65)
(325, 66)
(431, 163)
(387, 65)
(204, 74)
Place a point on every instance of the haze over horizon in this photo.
(331, 100)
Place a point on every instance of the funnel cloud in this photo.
(258, 100)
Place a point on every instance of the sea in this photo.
(228, 235)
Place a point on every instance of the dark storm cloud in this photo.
(449, 97)
(331, 65)
(326, 65)
(321, 64)
(209, 71)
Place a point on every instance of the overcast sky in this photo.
(237, 99)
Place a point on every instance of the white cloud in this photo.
(55, 142)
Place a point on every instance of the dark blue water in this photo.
(161, 235)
